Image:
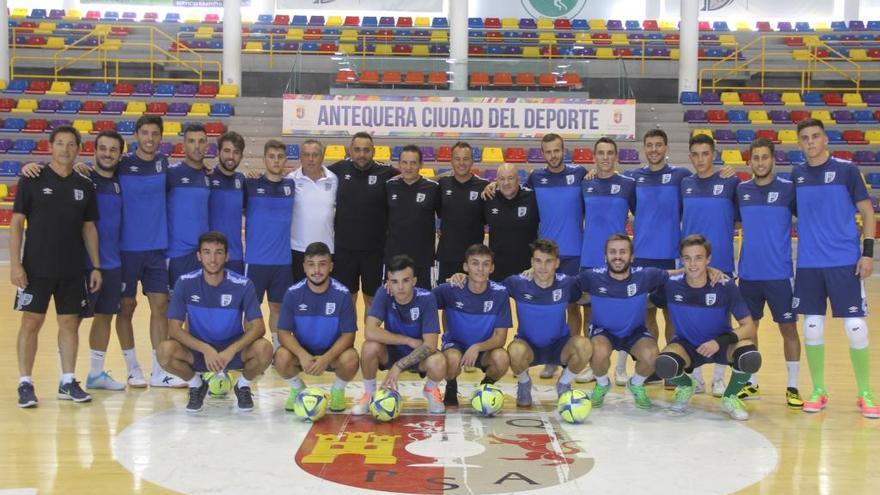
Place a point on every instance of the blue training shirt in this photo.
(144, 222)
(710, 210)
(607, 203)
(766, 223)
(269, 213)
(225, 209)
(472, 318)
(540, 313)
(188, 193)
(560, 206)
(701, 314)
(413, 319)
(109, 224)
(317, 320)
(657, 219)
(619, 306)
(826, 199)
(214, 314)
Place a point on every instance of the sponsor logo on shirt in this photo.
(459, 304)
(543, 180)
(603, 290)
(394, 197)
(303, 307)
(800, 180)
(414, 313)
(710, 299)
(347, 177)
(642, 179)
(521, 211)
(329, 308)
(557, 293)
(47, 191)
(787, 316)
(688, 190)
(853, 309)
(718, 189)
(678, 298)
(615, 188)
(589, 189)
(78, 194)
(184, 180)
(449, 192)
(260, 190)
(664, 179)
(195, 298)
(829, 177)
(225, 300)
(495, 211)
(133, 168)
(487, 306)
(747, 197)
(631, 290)
(420, 197)
(527, 297)
(772, 197)
(216, 183)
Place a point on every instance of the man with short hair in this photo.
(313, 204)
(317, 327)
(211, 302)
(227, 197)
(60, 210)
(830, 264)
(512, 217)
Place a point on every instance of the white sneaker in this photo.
(699, 384)
(362, 405)
(161, 378)
(136, 378)
(548, 371)
(718, 387)
(103, 381)
(620, 377)
(735, 408)
(585, 376)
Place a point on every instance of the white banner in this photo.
(459, 117)
(358, 7)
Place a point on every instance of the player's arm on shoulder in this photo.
(31, 170)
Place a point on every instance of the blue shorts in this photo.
(199, 360)
(105, 301)
(813, 286)
(654, 297)
(181, 265)
(622, 343)
(146, 267)
(462, 349)
(776, 293)
(698, 359)
(395, 354)
(273, 280)
(236, 265)
(569, 265)
(549, 354)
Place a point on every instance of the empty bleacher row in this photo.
(831, 98)
(84, 126)
(782, 117)
(100, 88)
(130, 107)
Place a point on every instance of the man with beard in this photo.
(313, 204)
(512, 216)
(317, 328)
(227, 197)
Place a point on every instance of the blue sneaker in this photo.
(103, 382)
(27, 397)
(72, 391)
(524, 394)
(197, 397)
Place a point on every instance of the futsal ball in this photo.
(574, 406)
(385, 404)
(310, 404)
(487, 399)
(219, 384)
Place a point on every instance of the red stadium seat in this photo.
(281, 20)
(36, 126)
(391, 77)
(369, 77)
(122, 89)
(582, 156)
(479, 79)
(207, 90)
(770, 134)
(178, 151)
(37, 87)
(92, 107)
(601, 38)
(650, 25)
(103, 125)
(502, 80)
(414, 78)
(562, 24)
(214, 129)
(854, 136)
(492, 23)
(843, 155)
(42, 148)
(573, 80)
(438, 79)
(525, 79)
(751, 98)
(346, 77)
(88, 148)
(547, 80)
(515, 155)
(799, 115)
(404, 22)
(717, 117)
(444, 154)
(833, 99)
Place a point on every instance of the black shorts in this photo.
(69, 294)
(424, 278)
(448, 269)
(106, 301)
(359, 269)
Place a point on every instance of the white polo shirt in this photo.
(314, 204)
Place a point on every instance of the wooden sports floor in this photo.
(141, 441)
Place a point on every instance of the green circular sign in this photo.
(554, 8)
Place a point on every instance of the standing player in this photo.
(227, 197)
(212, 301)
(313, 204)
(829, 262)
(144, 240)
(317, 326)
(361, 218)
(408, 341)
(766, 204)
(701, 315)
(60, 210)
(268, 215)
(461, 211)
(413, 202)
(512, 216)
(188, 193)
(476, 319)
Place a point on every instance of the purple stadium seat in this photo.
(79, 88)
(143, 89)
(772, 98)
(166, 148)
(725, 136)
(5, 145)
(865, 157)
(186, 90)
(535, 156)
(872, 99)
(710, 98)
(428, 154)
(695, 117)
(843, 117)
(629, 157)
(781, 157)
(113, 108)
(779, 117)
(614, 25)
(178, 109)
(48, 106)
(56, 123)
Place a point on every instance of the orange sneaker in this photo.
(868, 405)
(817, 401)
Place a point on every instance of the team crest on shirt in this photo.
(238, 183)
(78, 194)
(116, 188)
(631, 290)
(718, 189)
(795, 302)
(615, 188)
(557, 293)
(330, 308)
(420, 197)
(710, 299)
(487, 306)
(158, 167)
(569, 179)
(474, 195)
(772, 197)
(370, 180)
(829, 177)
(664, 179)
(207, 181)
(287, 190)
(414, 313)
(521, 211)
(225, 300)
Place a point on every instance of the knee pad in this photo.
(856, 332)
(747, 359)
(669, 365)
(814, 329)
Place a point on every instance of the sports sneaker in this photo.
(585, 376)
(161, 378)
(640, 395)
(718, 388)
(868, 405)
(683, 396)
(136, 378)
(734, 407)
(548, 371)
(699, 384)
(27, 397)
(597, 396)
(749, 392)
(103, 382)
(291, 398)
(337, 399)
(524, 394)
(435, 400)
(620, 377)
(245, 399)
(793, 398)
(362, 405)
(562, 388)
(450, 397)
(817, 401)
(72, 391)
(197, 397)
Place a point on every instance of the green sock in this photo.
(861, 362)
(682, 380)
(738, 380)
(816, 361)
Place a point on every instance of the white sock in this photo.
(753, 380)
(195, 381)
(603, 380)
(431, 383)
(296, 382)
(697, 374)
(523, 377)
(793, 368)
(339, 383)
(25, 379)
(566, 376)
(66, 378)
(97, 362)
(369, 386)
(621, 362)
(243, 382)
(131, 360)
(638, 380)
(718, 372)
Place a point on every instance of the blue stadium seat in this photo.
(796, 156)
(738, 117)
(834, 136)
(745, 136)
(70, 106)
(720, 26)
(299, 20)
(125, 127)
(690, 98)
(442, 22)
(10, 168)
(369, 21)
(23, 146)
(264, 19)
(580, 24)
(172, 17)
(101, 89)
(838, 26)
(633, 25)
(16, 86)
(803, 27)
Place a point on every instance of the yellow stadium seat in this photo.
(743, 26)
(821, 27)
(802, 55)
(72, 15)
(25, 105)
(171, 128)
(421, 22)
(675, 54)
(792, 99)
(112, 44)
(334, 153)
(382, 153)
(296, 34)
(546, 38)
(347, 48)
(420, 51)
(730, 98)
(727, 40)
(759, 117)
(812, 40)
(227, 91)
(193, 19)
(199, 110)
(83, 126)
(788, 136)
(493, 155)
(2, 85)
(545, 24)
(824, 116)
(45, 28)
(4, 190)
(732, 157)
(383, 50)
(668, 26)
(204, 33)
(347, 35)
(439, 36)
(509, 23)
(333, 21)
(59, 88)
(531, 52)
(853, 100)
(583, 38)
(604, 53)
(597, 25)
(698, 131)
(859, 54)
(619, 39)
(253, 47)
(873, 137)
(55, 42)
(427, 173)
(135, 108)
(19, 13)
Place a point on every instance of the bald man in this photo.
(512, 216)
